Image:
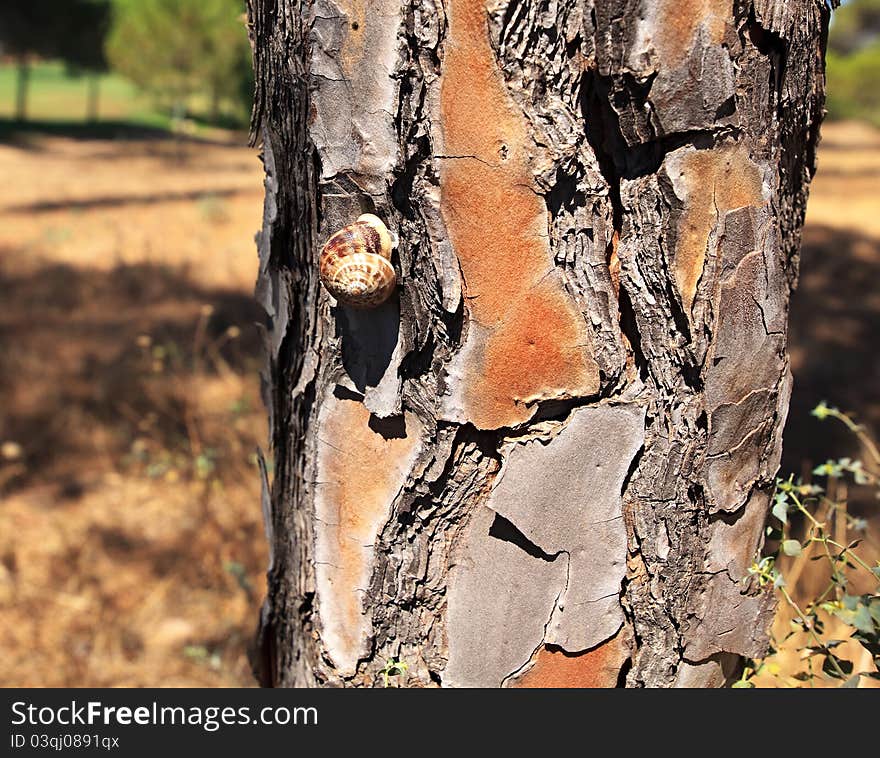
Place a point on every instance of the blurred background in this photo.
(131, 548)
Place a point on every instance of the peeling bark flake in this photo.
(354, 51)
(361, 466)
(564, 498)
(710, 183)
(500, 600)
(677, 23)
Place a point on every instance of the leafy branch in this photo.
(820, 513)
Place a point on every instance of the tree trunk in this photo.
(22, 83)
(215, 103)
(547, 461)
(93, 84)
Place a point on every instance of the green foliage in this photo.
(201, 654)
(855, 25)
(69, 30)
(852, 84)
(827, 524)
(853, 61)
(176, 48)
(57, 98)
(393, 667)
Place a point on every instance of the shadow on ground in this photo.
(92, 360)
(121, 201)
(834, 333)
(23, 133)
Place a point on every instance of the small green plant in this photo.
(820, 513)
(201, 654)
(239, 572)
(55, 235)
(213, 208)
(393, 667)
(172, 373)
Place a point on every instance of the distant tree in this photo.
(855, 25)
(227, 68)
(177, 48)
(72, 30)
(854, 61)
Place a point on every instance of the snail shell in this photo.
(355, 263)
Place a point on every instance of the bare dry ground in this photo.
(131, 548)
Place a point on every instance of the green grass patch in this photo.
(58, 97)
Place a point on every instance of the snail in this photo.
(355, 263)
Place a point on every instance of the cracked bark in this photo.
(547, 460)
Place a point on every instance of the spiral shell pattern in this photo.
(355, 263)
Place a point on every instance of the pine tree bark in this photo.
(547, 461)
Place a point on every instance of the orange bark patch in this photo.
(677, 22)
(614, 263)
(360, 472)
(596, 668)
(536, 343)
(711, 183)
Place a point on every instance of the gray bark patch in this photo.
(500, 597)
(562, 501)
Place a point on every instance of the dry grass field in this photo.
(131, 548)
